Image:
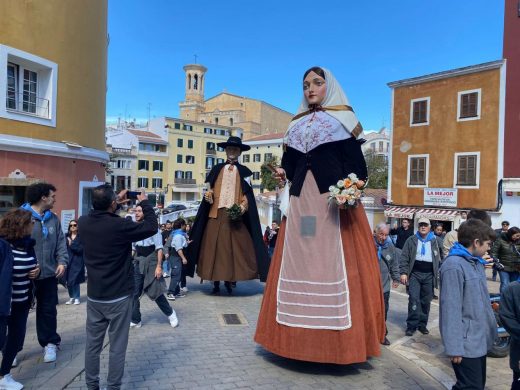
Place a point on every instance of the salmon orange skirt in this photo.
(352, 345)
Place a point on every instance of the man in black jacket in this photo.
(107, 242)
(402, 233)
(510, 316)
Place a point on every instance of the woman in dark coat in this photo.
(507, 249)
(76, 270)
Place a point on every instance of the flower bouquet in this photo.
(234, 213)
(347, 192)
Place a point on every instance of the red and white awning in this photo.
(437, 214)
(400, 212)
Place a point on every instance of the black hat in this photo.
(234, 141)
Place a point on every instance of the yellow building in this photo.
(254, 117)
(263, 149)
(53, 76)
(192, 152)
(447, 142)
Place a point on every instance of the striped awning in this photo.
(400, 212)
(437, 214)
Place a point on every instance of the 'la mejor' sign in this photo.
(442, 197)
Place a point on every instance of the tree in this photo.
(377, 165)
(268, 183)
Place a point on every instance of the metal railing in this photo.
(27, 104)
(184, 181)
(211, 151)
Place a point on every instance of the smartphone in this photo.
(132, 194)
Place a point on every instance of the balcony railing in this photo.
(184, 181)
(211, 151)
(121, 151)
(27, 104)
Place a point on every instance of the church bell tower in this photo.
(193, 104)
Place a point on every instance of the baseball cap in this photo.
(424, 220)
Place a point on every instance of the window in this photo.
(468, 107)
(190, 144)
(142, 182)
(467, 169)
(179, 159)
(210, 161)
(256, 157)
(245, 158)
(30, 87)
(230, 121)
(179, 174)
(210, 145)
(144, 165)
(207, 130)
(420, 112)
(187, 127)
(373, 146)
(189, 175)
(158, 166)
(122, 164)
(388, 147)
(381, 146)
(220, 160)
(179, 142)
(268, 157)
(216, 121)
(190, 159)
(177, 126)
(256, 175)
(220, 149)
(156, 182)
(418, 170)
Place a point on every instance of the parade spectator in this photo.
(388, 256)
(510, 315)
(75, 274)
(507, 250)
(503, 229)
(18, 269)
(148, 275)
(402, 232)
(323, 300)
(419, 267)
(451, 237)
(107, 246)
(273, 235)
(467, 322)
(174, 248)
(51, 252)
(165, 234)
(438, 230)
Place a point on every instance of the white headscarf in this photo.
(334, 96)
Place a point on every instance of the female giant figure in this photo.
(323, 300)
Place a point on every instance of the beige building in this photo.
(378, 142)
(53, 62)
(254, 117)
(192, 152)
(263, 149)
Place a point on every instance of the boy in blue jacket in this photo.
(467, 322)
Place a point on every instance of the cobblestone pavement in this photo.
(202, 353)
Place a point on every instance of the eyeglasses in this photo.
(423, 225)
(73, 224)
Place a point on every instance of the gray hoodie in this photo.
(467, 323)
(51, 250)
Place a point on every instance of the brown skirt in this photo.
(226, 251)
(352, 345)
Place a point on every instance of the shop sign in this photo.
(440, 197)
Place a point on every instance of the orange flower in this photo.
(347, 183)
(360, 184)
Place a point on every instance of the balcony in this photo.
(27, 104)
(184, 182)
(211, 152)
(122, 151)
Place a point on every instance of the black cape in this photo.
(250, 219)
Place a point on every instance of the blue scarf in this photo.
(46, 216)
(380, 247)
(429, 237)
(458, 250)
(177, 232)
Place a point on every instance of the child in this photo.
(510, 316)
(467, 323)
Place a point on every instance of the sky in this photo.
(260, 49)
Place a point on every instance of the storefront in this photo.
(449, 218)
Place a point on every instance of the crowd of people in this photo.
(328, 276)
